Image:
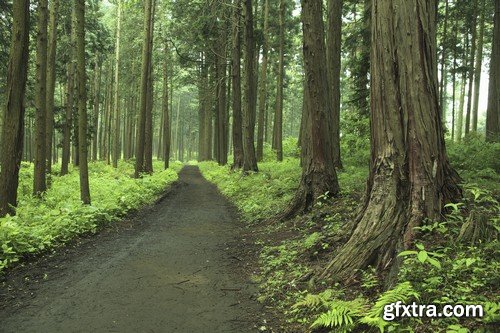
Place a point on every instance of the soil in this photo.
(177, 266)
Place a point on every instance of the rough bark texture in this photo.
(263, 85)
(333, 41)
(13, 116)
(39, 178)
(221, 117)
(493, 112)
(236, 82)
(249, 96)
(51, 80)
(82, 101)
(318, 171)
(146, 59)
(410, 178)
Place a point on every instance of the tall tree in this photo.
(473, 28)
(410, 178)
(318, 172)
(236, 82)
(249, 96)
(146, 60)
(166, 113)
(97, 101)
(278, 113)
(493, 112)
(82, 101)
(116, 149)
(11, 147)
(333, 51)
(39, 179)
(51, 80)
(477, 67)
(263, 83)
(148, 134)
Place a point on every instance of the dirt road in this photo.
(172, 268)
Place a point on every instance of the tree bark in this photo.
(166, 113)
(410, 178)
(13, 116)
(51, 80)
(471, 68)
(263, 85)
(249, 96)
(97, 100)
(442, 84)
(318, 172)
(82, 102)
(116, 150)
(477, 68)
(493, 111)
(236, 82)
(333, 51)
(39, 179)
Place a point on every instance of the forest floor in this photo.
(176, 266)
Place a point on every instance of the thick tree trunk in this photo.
(318, 172)
(236, 82)
(333, 41)
(82, 102)
(51, 81)
(13, 116)
(146, 60)
(493, 112)
(263, 85)
(116, 149)
(410, 177)
(39, 179)
(249, 96)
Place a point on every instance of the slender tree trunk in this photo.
(333, 51)
(263, 85)
(471, 68)
(410, 178)
(39, 179)
(236, 82)
(82, 102)
(11, 147)
(51, 80)
(249, 97)
(97, 100)
(66, 149)
(116, 150)
(146, 60)
(221, 98)
(166, 111)
(148, 148)
(493, 111)
(318, 172)
(477, 67)
(279, 92)
(442, 85)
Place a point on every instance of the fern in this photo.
(341, 315)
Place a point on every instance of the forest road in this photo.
(171, 268)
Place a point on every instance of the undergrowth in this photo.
(454, 260)
(59, 215)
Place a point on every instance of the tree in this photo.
(493, 111)
(477, 68)
(166, 113)
(263, 84)
(39, 179)
(51, 80)
(410, 178)
(11, 147)
(249, 96)
(236, 82)
(82, 101)
(146, 60)
(473, 29)
(318, 172)
(333, 51)
(278, 113)
(116, 150)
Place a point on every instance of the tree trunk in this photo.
(166, 115)
(39, 179)
(148, 148)
(66, 149)
(263, 85)
(51, 81)
(442, 85)
(116, 150)
(278, 127)
(146, 60)
(236, 82)
(221, 97)
(410, 178)
(477, 68)
(249, 96)
(82, 102)
(333, 50)
(471, 68)
(97, 93)
(13, 116)
(318, 172)
(493, 111)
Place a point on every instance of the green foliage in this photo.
(40, 224)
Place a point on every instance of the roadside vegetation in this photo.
(58, 216)
(453, 261)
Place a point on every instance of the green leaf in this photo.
(420, 246)
(406, 253)
(434, 262)
(422, 256)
